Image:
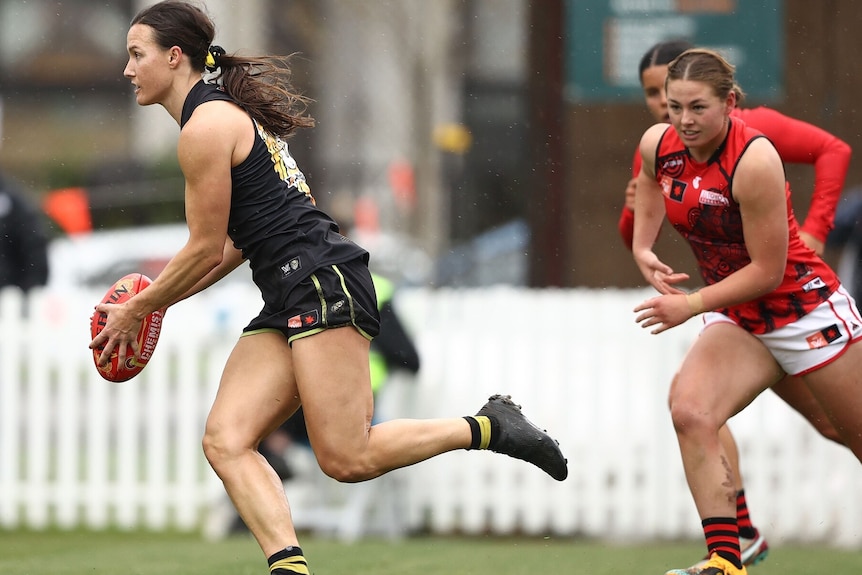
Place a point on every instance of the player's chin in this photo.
(142, 100)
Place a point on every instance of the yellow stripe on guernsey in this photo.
(291, 565)
(484, 431)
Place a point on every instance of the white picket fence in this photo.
(77, 451)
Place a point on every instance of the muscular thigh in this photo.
(257, 391)
(725, 369)
(334, 382)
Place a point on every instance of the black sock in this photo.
(288, 561)
(746, 528)
(484, 431)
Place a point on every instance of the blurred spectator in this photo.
(23, 241)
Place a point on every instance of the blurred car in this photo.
(94, 261)
(97, 259)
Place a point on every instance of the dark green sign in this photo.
(605, 40)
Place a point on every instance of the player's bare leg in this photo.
(838, 388)
(338, 406)
(796, 394)
(257, 392)
(708, 392)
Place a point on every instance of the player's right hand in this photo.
(658, 274)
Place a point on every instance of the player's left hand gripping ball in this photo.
(148, 336)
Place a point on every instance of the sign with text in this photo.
(605, 40)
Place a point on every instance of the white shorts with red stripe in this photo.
(813, 341)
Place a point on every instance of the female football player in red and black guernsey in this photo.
(770, 305)
(797, 142)
(246, 199)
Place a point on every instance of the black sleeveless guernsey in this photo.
(273, 216)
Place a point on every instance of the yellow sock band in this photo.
(295, 564)
(484, 431)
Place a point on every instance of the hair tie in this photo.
(213, 60)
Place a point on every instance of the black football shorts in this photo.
(333, 296)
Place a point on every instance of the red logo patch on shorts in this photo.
(824, 337)
(306, 319)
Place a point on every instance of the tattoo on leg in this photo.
(728, 481)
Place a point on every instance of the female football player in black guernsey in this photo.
(246, 199)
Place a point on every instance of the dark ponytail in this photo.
(261, 85)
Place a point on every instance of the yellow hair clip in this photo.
(214, 54)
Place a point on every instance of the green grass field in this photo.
(78, 553)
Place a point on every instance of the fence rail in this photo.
(77, 451)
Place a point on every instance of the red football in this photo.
(125, 288)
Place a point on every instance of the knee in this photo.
(823, 425)
(691, 418)
(345, 467)
(220, 447)
(826, 429)
(672, 390)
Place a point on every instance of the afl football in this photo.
(123, 289)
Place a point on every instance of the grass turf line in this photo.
(104, 553)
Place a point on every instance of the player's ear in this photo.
(175, 55)
(732, 100)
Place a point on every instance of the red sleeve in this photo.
(626, 225)
(799, 142)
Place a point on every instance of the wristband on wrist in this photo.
(695, 303)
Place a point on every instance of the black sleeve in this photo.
(394, 343)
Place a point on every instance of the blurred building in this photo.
(394, 83)
(444, 125)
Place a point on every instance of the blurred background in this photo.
(470, 141)
(481, 144)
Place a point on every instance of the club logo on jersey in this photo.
(307, 319)
(672, 189)
(802, 270)
(673, 165)
(824, 337)
(291, 266)
(811, 285)
(712, 198)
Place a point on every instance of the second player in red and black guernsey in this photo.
(770, 306)
(797, 142)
